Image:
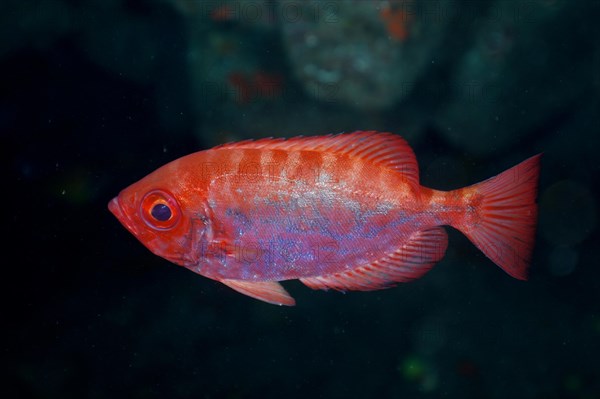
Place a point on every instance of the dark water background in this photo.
(95, 95)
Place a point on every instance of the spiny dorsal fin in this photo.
(409, 262)
(385, 149)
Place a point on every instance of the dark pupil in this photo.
(161, 212)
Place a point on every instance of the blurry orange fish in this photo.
(223, 13)
(259, 85)
(397, 22)
(343, 211)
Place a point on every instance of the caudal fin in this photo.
(505, 215)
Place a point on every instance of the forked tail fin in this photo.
(503, 217)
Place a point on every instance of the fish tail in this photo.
(501, 215)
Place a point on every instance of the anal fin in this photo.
(267, 291)
(411, 261)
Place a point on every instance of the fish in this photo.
(341, 212)
(398, 22)
(257, 85)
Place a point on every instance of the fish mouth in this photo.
(114, 206)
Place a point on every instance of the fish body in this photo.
(342, 212)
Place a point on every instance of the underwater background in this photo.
(95, 95)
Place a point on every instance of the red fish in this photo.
(397, 22)
(260, 85)
(343, 212)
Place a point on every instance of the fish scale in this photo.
(283, 210)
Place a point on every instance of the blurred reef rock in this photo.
(484, 76)
(366, 54)
(527, 60)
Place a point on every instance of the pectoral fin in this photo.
(268, 291)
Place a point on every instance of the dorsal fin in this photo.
(385, 149)
(408, 262)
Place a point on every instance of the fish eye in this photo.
(160, 210)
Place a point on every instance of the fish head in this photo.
(165, 212)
